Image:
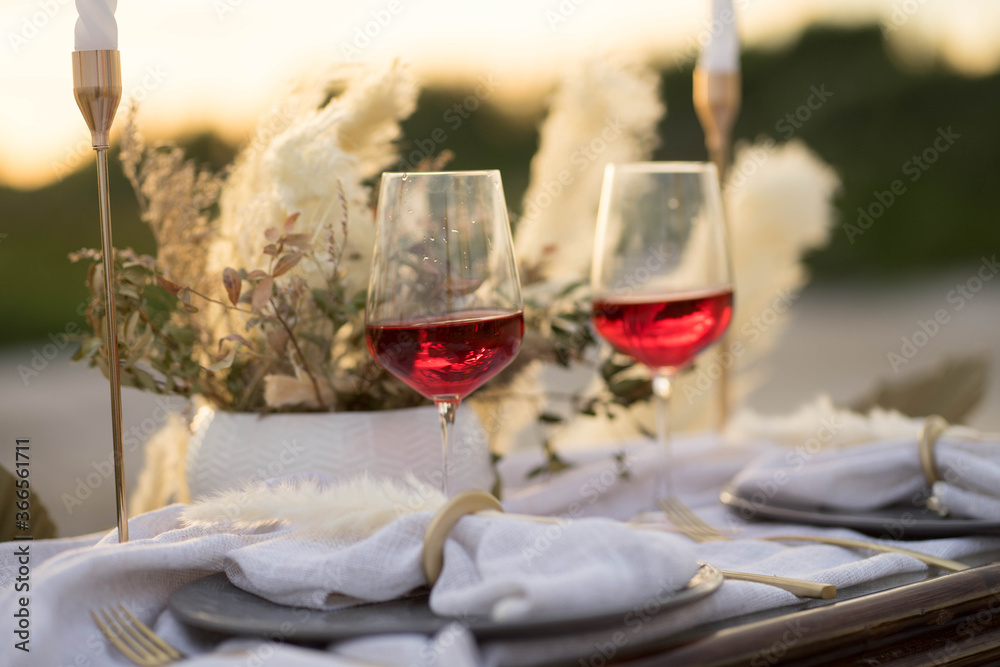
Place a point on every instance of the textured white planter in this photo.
(228, 448)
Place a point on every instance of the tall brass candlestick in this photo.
(717, 98)
(717, 101)
(97, 86)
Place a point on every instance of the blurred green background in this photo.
(877, 118)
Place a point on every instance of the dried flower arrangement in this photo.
(255, 299)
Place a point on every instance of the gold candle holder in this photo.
(717, 98)
(97, 86)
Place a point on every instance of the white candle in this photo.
(96, 28)
(722, 48)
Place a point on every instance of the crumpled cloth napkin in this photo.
(879, 474)
(512, 569)
(500, 567)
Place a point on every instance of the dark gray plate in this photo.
(213, 603)
(893, 523)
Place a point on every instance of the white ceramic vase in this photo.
(227, 449)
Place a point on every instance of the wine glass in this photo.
(444, 311)
(661, 280)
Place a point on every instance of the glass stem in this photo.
(663, 485)
(447, 406)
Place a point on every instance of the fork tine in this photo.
(684, 514)
(695, 520)
(152, 651)
(679, 520)
(124, 633)
(134, 638)
(106, 627)
(151, 636)
(688, 522)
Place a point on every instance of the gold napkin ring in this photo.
(467, 502)
(930, 432)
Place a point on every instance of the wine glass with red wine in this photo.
(661, 280)
(444, 310)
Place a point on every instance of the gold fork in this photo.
(802, 588)
(690, 524)
(134, 638)
(483, 504)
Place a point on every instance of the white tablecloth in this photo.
(65, 583)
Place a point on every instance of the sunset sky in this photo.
(215, 63)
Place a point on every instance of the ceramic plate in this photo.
(213, 603)
(894, 523)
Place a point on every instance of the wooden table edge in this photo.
(952, 619)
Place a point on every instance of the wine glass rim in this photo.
(409, 174)
(665, 166)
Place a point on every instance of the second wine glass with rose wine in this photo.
(661, 281)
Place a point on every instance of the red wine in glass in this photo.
(447, 357)
(444, 312)
(661, 234)
(664, 331)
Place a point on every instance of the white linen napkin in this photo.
(512, 569)
(505, 568)
(834, 458)
(880, 474)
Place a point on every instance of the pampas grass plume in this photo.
(353, 509)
